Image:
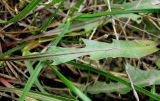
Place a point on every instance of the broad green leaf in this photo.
(96, 50)
(65, 58)
(139, 77)
(121, 48)
(100, 50)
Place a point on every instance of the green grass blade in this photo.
(75, 8)
(31, 81)
(60, 36)
(23, 13)
(18, 47)
(49, 21)
(99, 14)
(30, 69)
(69, 84)
(108, 75)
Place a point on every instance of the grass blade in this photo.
(79, 2)
(60, 36)
(69, 84)
(23, 13)
(30, 69)
(44, 27)
(99, 14)
(18, 47)
(31, 81)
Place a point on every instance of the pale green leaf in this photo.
(100, 50)
(103, 87)
(143, 78)
(139, 77)
(121, 48)
(64, 58)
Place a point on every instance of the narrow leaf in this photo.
(69, 84)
